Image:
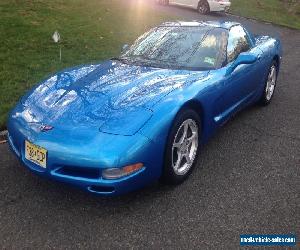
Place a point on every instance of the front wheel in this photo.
(203, 7)
(270, 85)
(182, 147)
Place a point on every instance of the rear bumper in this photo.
(219, 6)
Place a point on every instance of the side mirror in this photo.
(243, 58)
(125, 47)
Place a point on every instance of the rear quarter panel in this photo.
(271, 49)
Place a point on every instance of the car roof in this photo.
(212, 24)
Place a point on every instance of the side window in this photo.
(237, 43)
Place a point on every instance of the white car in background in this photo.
(203, 6)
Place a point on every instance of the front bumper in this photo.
(89, 178)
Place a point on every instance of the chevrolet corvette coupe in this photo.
(118, 125)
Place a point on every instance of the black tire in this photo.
(265, 100)
(169, 175)
(203, 7)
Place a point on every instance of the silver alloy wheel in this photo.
(185, 147)
(270, 86)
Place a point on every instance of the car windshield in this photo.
(191, 48)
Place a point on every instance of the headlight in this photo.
(115, 173)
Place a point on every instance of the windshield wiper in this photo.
(126, 60)
(118, 59)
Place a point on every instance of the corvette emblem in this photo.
(45, 128)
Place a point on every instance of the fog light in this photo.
(115, 173)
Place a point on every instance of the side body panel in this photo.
(218, 96)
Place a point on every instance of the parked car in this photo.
(118, 125)
(203, 6)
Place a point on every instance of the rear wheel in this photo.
(270, 85)
(182, 147)
(203, 7)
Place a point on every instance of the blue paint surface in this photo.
(113, 114)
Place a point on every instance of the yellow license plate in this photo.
(36, 154)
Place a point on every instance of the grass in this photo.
(91, 31)
(283, 12)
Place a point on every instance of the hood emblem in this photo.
(45, 128)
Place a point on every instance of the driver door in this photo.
(239, 86)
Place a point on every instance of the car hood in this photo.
(114, 97)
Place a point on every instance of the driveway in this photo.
(246, 181)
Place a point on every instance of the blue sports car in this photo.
(115, 126)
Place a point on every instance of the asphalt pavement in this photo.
(246, 181)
